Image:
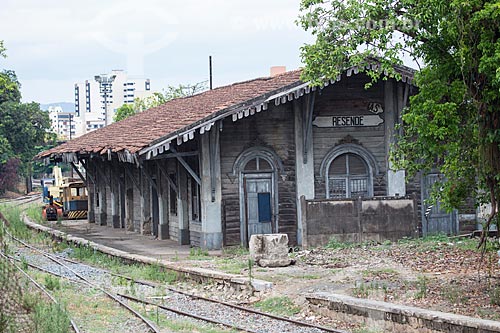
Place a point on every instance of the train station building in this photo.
(269, 155)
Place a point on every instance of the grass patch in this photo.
(454, 294)
(51, 318)
(197, 253)
(421, 286)
(235, 251)
(15, 225)
(231, 265)
(34, 212)
(335, 244)
(282, 306)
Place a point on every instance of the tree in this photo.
(23, 127)
(453, 121)
(124, 111)
(157, 99)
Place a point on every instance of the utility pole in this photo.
(210, 70)
(105, 84)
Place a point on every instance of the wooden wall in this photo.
(274, 129)
(349, 97)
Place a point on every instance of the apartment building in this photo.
(96, 102)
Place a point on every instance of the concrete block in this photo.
(163, 231)
(211, 240)
(116, 221)
(184, 237)
(270, 250)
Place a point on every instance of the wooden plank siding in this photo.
(349, 97)
(274, 129)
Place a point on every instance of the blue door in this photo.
(259, 203)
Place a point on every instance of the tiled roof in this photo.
(152, 131)
(138, 132)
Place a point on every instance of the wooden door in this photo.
(434, 218)
(259, 204)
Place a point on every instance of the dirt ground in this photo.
(434, 273)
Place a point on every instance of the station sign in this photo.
(348, 121)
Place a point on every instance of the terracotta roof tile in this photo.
(138, 132)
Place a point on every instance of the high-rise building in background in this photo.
(62, 123)
(90, 98)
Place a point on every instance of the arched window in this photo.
(258, 164)
(348, 170)
(348, 177)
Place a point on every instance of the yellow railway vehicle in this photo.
(75, 200)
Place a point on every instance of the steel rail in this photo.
(238, 307)
(39, 286)
(151, 326)
(235, 306)
(180, 312)
(138, 300)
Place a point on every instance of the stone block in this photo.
(270, 250)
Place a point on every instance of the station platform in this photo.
(134, 247)
(127, 241)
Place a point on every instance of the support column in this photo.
(115, 197)
(211, 221)
(163, 193)
(182, 206)
(90, 192)
(108, 208)
(304, 159)
(393, 100)
(146, 222)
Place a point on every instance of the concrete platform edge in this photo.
(193, 273)
(417, 318)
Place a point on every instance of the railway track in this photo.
(25, 199)
(172, 303)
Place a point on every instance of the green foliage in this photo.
(23, 126)
(495, 295)
(16, 226)
(453, 121)
(123, 112)
(51, 318)
(421, 285)
(159, 98)
(334, 244)
(52, 283)
(197, 253)
(282, 306)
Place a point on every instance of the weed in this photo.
(232, 266)
(334, 244)
(282, 306)
(361, 290)
(421, 285)
(495, 295)
(454, 294)
(24, 263)
(52, 283)
(250, 269)
(155, 272)
(235, 251)
(51, 318)
(197, 253)
(34, 212)
(29, 301)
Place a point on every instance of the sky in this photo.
(52, 44)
